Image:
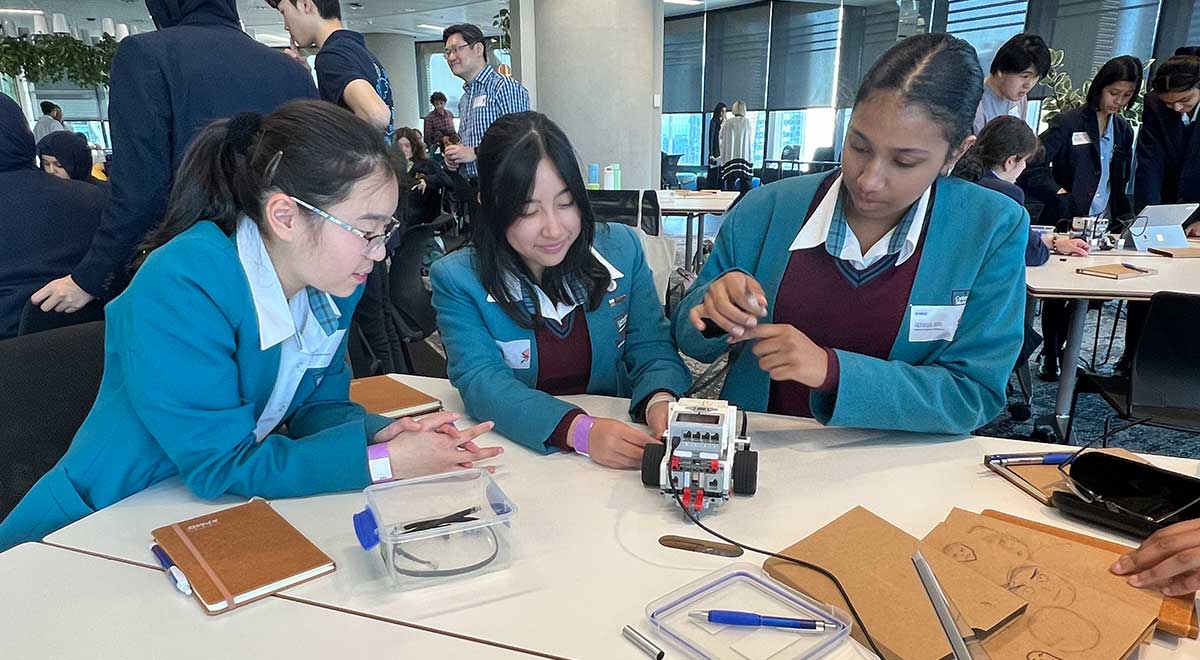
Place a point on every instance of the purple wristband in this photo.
(583, 427)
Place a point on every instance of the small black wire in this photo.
(799, 562)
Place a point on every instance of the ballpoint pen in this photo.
(735, 618)
(173, 573)
(1137, 268)
(1042, 458)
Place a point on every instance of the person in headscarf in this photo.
(67, 155)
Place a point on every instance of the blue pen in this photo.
(1053, 458)
(173, 573)
(735, 618)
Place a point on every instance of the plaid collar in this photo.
(536, 303)
(276, 314)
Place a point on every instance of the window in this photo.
(986, 24)
(96, 132)
(735, 56)
(1091, 33)
(804, 131)
(804, 48)
(683, 133)
(683, 64)
(758, 118)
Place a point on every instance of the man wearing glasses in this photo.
(487, 95)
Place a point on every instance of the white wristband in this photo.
(379, 462)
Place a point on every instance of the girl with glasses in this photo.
(234, 328)
(549, 302)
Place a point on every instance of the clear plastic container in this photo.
(744, 587)
(435, 528)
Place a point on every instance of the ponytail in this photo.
(312, 150)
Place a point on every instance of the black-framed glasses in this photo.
(447, 52)
(1148, 496)
(374, 241)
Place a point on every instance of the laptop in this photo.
(1161, 226)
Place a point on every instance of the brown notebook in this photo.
(1178, 253)
(241, 554)
(384, 395)
(1115, 271)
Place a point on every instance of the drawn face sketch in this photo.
(1063, 630)
(1041, 655)
(1008, 544)
(960, 552)
(1039, 587)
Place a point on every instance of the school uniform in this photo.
(1036, 252)
(204, 360)
(1168, 156)
(1092, 167)
(502, 369)
(920, 333)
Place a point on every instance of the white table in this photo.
(693, 205)
(63, 604)
(1058, 279)
(587, 558)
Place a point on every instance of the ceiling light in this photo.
(431, 27)
(31, 12)
(690, 3)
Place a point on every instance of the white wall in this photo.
(398, 54)
(598, 71)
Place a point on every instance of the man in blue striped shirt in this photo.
(487, 95)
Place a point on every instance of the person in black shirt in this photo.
(347, 73)
(161, 95)
(47, 222)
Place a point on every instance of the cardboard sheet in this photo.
(873, 561)
(1077, 608)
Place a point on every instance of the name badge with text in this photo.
(934, 322)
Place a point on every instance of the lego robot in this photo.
(707, 459)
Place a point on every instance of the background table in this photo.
(587, 558)
(693, 205)
(63, 604)
(1058, 278)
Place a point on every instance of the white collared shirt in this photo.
(550, 310)
(816, 231)
(281, 321)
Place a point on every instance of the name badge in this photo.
(934, 322)
(479, 101)
(515, 353)
(1079, 138)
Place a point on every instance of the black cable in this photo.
(799, 562)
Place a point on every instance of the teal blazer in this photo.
(632, 352)
(184, 383)
(974, 249)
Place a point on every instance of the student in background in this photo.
(235, 324)
(999, 156)
(487, 95)
(51, 121)
(849, 296)
(1084, 172)
(67, 155)
(548, 302)
(438, 122)
(714, 145)
(737, 135)
(1168, 159)
(160, 96)
(430, 180)
(348, 74)
(47, 221)
(1019, 64)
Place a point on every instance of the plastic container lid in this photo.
(743, 586)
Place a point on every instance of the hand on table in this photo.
(1168, 560)
(657, 418)
(61, 295)
(1071, 247)
(432, 445)
(615, 444)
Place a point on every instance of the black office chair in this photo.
(1163, 385)
(46, 390)
(737, 175)
(33, 319)
(636, 208)
(670, 170)
(411, 309)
